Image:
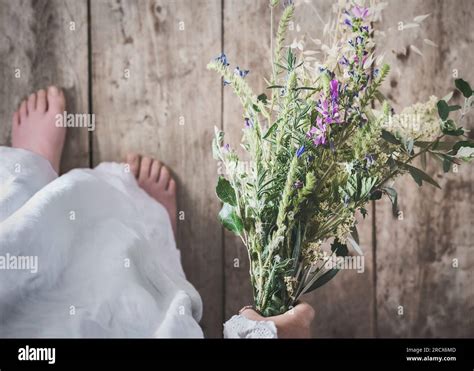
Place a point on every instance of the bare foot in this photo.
(156, 180)
(34, 125)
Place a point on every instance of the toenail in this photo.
(53, 90)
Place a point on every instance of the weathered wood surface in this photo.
(415, 255)
(45, 43)
(247, 45)
(152, 95)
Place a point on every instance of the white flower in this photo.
(418, 122)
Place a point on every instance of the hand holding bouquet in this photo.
(322, 144)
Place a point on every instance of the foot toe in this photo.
(16, 119)
(56, 100)
(41, 102)
(172, 187)
(23, 111)
(134, 161)
(164, 178)
(145, 167)
(155, 170)
(31, 104)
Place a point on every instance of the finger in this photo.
(251, 314)
(303, 310)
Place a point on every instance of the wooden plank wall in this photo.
(415, 255)
(152, 95)
(139, 66)
(44, 42)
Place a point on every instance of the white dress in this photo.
(90, 254)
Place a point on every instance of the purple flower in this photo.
(318, 133)
(248, 123)
(300, 151)
(323, 108)
(334, 87)
(348, 22)
(298, 184)
(241, 73)
(226, 147)
(223, 59)
(360, 12)
(346, 200)
(369, 159)
(344, 61)
(329, 113)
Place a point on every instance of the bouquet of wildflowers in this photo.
(322, 143)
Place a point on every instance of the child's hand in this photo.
(296, 323)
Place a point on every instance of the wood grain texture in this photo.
(37, 40)
(247, 45)
(152, 95)
(344, 306)
(415, 255)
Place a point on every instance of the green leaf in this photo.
(454, 108)
(217, 143)
(438, 145)
(305, 88)
(423, 160)
(462, 143)
(263, 98)
(409, 145)
(393, 196)
(465, 153)
(355, 233)
(443, 110)
(463, 87)
(419, 176)
(449, 127)
(271, 129)
(375, 195)
(225, 192)
(230, 220)
(389, 137)
(446, 164)
(325, 278)
(366, 186)
(339, 248)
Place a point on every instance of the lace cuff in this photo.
(240, 327)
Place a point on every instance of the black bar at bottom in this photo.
(449, 354)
